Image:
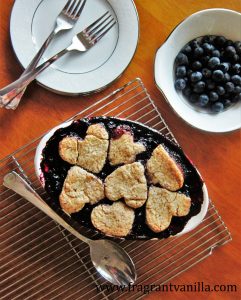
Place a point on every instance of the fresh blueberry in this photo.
(189, 72)
(181, 71)
(206, 73)
(236, 68)
(187, 91)
(217, 107)
(220, 90)
(237, 46)
(213, 96)
(198, 51)
(196, 76)
(227, 77)
(208, 39)
(219, 41)
(236, 98)
(218, 75)
(224, 67)
(180, 84)
(196, 65)
(194, 44)
(210, 84)
(208, 48)
(228, 43)
(199, 87)
(227, 103)
(230, 51)
(204, 60)
(237, 89)
(181, 59)
(235, 58)
(216, 53)
(203, 100)
(213, 62)
(193, 98)
(229, 86)
(187, 50)
(236, 79)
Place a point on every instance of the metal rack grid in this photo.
(40, 260)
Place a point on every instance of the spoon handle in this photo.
(16, 183)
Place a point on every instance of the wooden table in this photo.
(218, 157)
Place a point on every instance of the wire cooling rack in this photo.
(40, 260)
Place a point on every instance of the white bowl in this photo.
(206, 22)
(191, 224)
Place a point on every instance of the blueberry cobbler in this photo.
(121, 179)
(208, 72)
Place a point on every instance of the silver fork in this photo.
(81, 42)
(65, 21)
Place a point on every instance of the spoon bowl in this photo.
(112, 262)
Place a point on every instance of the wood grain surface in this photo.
(218, 157)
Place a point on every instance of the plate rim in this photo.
(92, 91)
(229, 130)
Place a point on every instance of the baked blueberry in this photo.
(213, 62)
(181, 59)
(203, 100)
(180, 84)
(181, 71)
(199, 87)
(218, 75)
(236, 79)
(213, 96)
(217, 107)
(196, 76)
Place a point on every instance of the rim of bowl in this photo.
(161, 90)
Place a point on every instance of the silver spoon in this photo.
(110, 260)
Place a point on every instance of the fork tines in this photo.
(100, 27)
(74, 7)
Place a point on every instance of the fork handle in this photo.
(13, 89)
(32, 65)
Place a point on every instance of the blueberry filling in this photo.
(55, 170)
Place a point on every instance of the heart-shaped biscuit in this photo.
(163, 169)
(89, 153)
(80, 187)
(128, 182)
(161, 205)
(115, 220)
(123, 149)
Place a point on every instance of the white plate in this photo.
(191, 224)
(75, 73)
(206, 22)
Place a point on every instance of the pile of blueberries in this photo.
(208, 72)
